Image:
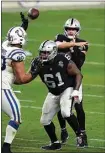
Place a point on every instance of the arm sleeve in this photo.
(24, 20)
(59, 38)
(24, 25)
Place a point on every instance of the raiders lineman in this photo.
(13, 71)
(71, 32)
(57, 71)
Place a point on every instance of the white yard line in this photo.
(99, 140)
(59, 26)
(24, 100)
(17, 91)
(34, 107)
(38, 142)
(40, 108)
(97, 45)
(61, 149)
(95, 63)
(94, 85)
(95, 96)
(90, 44)
(95, 113)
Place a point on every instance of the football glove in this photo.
(24, 21)
(75, 96)
(35, 67)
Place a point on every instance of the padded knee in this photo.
(45, 120)
(65, 111)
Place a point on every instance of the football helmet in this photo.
(72, 24)
(47, 50)
(16, 35)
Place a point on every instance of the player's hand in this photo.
(35, 66)
(81, 44)
(23, 18)
(75, 96)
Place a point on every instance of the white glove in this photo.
(75, 95)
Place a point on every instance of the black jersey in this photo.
(74, 52)
(55, 76)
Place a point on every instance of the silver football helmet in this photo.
(47, 50)
(16, 35)
(72, 23)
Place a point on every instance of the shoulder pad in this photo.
(17, 55)
(64, 56)
(59, 37)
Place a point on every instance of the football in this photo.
(33, 13)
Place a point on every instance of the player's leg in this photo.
(81, 116)
(66, 110)
(64, 133)
(10, 106)
(50, 108)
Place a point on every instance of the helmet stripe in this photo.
(72, 21)
(44, 43)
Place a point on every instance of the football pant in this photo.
(11, 105)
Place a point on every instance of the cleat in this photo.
(85, 140)
(64, 136)
(52, 146)
(80, 141)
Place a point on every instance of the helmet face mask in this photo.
(47, 51)
(72, 28)
(16, 35)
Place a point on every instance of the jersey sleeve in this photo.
(17, 55)
(59, 37)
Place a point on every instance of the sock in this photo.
(11, 132)
(80, 116)
(50, 129)
(61, 120)
(7, 145)
(73, 122)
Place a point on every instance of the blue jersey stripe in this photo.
(16, 50)
(17, 109)
(17, 53)
(5, 91)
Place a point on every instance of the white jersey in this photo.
(8, 55)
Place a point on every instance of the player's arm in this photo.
(19, 71)
(25, 21)
(63, 45)
(73, 70)
(17, 57)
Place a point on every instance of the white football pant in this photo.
(53, 104)
(11, 105)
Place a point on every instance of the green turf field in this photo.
(31, 135)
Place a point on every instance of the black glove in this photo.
(35, 67)
(24, 21)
